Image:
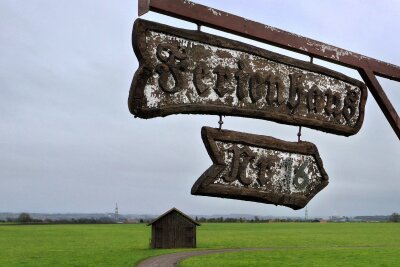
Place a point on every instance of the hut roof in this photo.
(172, 210)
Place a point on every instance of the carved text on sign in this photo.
(243, 158)
(256, 85)
(192, 72)
(260, 168)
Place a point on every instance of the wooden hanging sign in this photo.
(192, 72)
(261, 169)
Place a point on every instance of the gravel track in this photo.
(172, 260)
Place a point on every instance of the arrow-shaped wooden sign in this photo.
(261, 169)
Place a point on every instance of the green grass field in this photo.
(293, 244)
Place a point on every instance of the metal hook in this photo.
(299, 135)
(220, 122)
(311, 59)
(199, 27)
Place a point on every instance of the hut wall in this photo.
(173, 231)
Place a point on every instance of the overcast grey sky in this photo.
(69, 144)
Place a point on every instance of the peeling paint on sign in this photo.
(282, 169)
(193, 72)
(260, 168)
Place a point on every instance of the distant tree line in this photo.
(25, 218)
(395, 217)
(255, 219)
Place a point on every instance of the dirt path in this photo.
(172, 260)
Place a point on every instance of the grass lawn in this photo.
(294, 244)
(75, 245)
(301, 257)
(301, 244)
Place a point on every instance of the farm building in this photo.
(173, 229)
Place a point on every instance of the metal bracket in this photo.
(299, 135)
(220, 20)
(220, 122)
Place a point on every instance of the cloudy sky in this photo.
(69, 144)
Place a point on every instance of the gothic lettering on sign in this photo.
(264, 164)
(242, 79)
(240, 161)
(260, 168)
(223, 76)
(276, 89)
(192, 72)
(200, 72)
(173, 64)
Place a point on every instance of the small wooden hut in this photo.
(173, 229)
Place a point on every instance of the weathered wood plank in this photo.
(184, 71)
(261, 169)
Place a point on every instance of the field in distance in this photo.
(292, 244)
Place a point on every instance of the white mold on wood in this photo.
(280, 178)
(214, 56)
